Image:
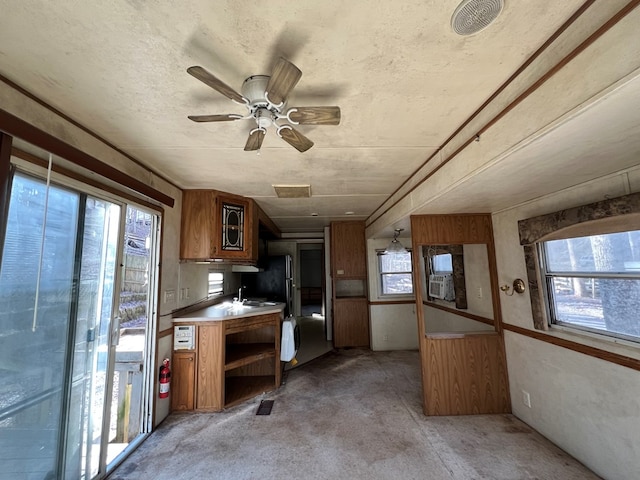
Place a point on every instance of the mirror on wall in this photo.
(457, 278)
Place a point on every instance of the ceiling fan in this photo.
(265, 98)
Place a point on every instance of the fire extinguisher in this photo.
(165, 379)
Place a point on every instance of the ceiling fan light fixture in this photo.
(265, 98)
(264, 118)
(395, 246)
(253, 89)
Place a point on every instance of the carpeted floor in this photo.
(352, 414)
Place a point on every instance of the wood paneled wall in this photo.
(446, 229)
(466, 374)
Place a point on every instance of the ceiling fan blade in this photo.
(295, 138)
(284, 77)
(254, 142)
(315, 115)
(215, 118)
(215, 83)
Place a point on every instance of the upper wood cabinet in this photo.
(348, 250)
(218, 225)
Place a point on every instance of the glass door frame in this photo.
(149, 364)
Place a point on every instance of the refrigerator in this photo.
(274, 283)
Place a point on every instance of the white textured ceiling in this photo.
(403, 79)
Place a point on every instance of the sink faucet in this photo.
(240, 294)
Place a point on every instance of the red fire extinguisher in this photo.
(165, 379)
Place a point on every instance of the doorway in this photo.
(312, 319)
(130, 404)
(63, 263)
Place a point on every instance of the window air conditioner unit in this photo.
(441, 286)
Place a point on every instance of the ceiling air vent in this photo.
(292, 191)
(471, 16)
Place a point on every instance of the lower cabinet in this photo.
(234, 360)
(183, 380)
(350, 322)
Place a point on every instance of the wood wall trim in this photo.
(27, 157)
(450, 229)
(616, 358)
(5, 184)
(165, 333)
(18, 128)
(550, 73)
(462, 313)
(393, 302)
(66, 117)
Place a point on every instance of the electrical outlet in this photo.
(385, 338)
(169, 296)
(479, 292)
(526, 398)
(186, 292)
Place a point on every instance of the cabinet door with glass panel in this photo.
(217, 225)
(236, 229)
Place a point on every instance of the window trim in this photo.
(380, 274)
(549, 296)
(607, 216)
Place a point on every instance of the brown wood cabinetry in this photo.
(198, 231)
(183, 380)
(466, 374)
(349, 280)
(218, 225)
(348, 250)
(234, 360)
(352, 326)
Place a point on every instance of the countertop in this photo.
(227, 311)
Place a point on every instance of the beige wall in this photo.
(392, 326)
(587, 406)
(437, 321)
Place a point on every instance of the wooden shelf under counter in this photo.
(241, 354)
(242, 388)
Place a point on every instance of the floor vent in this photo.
(265, 407)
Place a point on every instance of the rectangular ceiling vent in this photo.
(292, 191)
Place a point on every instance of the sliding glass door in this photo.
(74, 389)
(94, 328)
(37, 278)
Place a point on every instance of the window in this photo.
(593, 283)
(216, 283)
(442, 264)
(395, 273)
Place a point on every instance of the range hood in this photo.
(245, 268)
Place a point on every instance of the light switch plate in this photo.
(169, 296)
